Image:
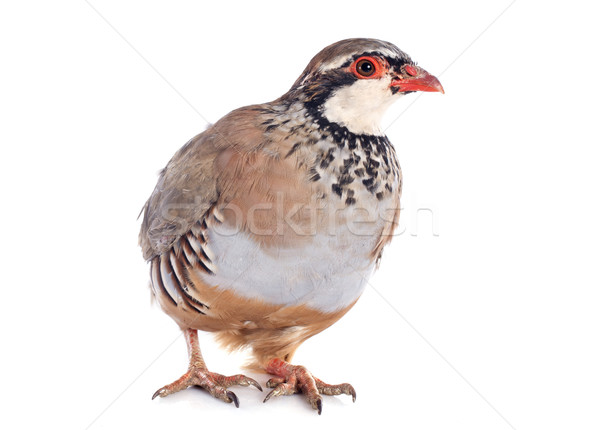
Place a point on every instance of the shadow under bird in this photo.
(266, 227)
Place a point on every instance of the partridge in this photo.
(265, 228)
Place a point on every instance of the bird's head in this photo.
(352, 82)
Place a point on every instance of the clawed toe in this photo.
(334, 390)
(241, 380)
(281, 389)
(162, 392)
(233, 398)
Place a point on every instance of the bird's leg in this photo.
(198, 375)
(290, 379)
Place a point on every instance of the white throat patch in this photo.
(359, 107)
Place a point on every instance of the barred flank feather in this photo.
(170, 270)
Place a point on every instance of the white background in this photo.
(491, 324)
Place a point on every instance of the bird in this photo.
(265, 228)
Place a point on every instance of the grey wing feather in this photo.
(185, 191)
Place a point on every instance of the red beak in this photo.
(420, 81)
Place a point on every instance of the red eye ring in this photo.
(367, 68)
(410, 70)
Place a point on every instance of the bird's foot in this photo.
(214, 383)
(290, 379)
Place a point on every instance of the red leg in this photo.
(198, 375)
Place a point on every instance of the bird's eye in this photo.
(365, 68)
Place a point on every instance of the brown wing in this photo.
(189, 185)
